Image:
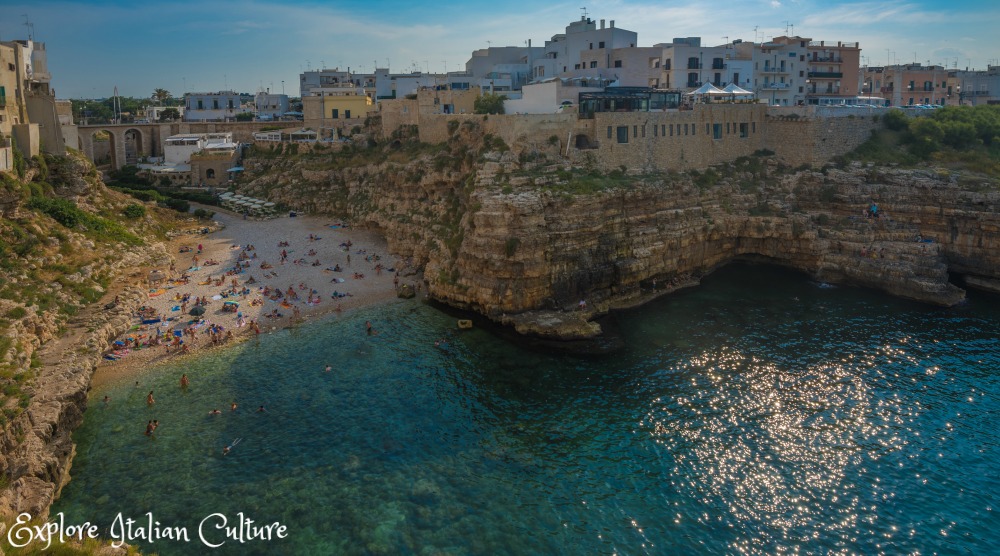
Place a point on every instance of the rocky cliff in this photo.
(523, 238)
(54, 325)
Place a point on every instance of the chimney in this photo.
(602, 24)
(612, 24)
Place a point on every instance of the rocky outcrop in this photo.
(36, 447)
(515, 240)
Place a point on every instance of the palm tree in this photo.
(161, 95)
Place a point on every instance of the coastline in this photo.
(360, 285)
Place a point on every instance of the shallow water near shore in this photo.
(756, 414)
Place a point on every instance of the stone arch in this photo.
(101, 147)
(210, 174)
(133, 145)
(583, 142)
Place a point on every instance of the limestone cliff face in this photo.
(513, 240)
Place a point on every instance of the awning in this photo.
(707, 89)
(235, 169)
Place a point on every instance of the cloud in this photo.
(775, 4)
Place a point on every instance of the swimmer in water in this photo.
(227, 449)
(215, 412)
(329, 368)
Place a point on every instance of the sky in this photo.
(208, 45)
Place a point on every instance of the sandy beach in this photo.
(281, 272)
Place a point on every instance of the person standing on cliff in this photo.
(184, 381)
(149, 398)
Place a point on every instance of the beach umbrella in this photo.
(197, 311)
(268, 204)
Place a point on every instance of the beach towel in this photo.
(175, 308)
(155, 293)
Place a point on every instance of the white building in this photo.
(563, 53)
(270, 106)
(552, 95)
(212, 107)
(688, 65)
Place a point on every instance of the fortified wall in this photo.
(673, 140)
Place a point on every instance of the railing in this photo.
(776, 86)
(828, 59)
(694, 84)
(826, 74)
(769, 69)
(693, 66)
(718, 65)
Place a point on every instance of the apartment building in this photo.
(912, 84)
(27, 102)
(833, 72)
(979, 86)
(583, 44)
(688, 65)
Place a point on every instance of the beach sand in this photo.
(297, 272)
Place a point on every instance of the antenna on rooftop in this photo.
(755, 27)
(584, 10)
(787, 25)
(726, 41)
(30, 26)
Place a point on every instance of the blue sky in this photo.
(210, 45)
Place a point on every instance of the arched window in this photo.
(210, 173)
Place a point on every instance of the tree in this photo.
(169, 115)
(489, 103)
(161, 95)
(244, 117)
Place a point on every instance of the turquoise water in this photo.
(758, 413)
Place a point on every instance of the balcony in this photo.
(779, 86)
(693, 66)
(826, 91)
(826, 75)
(827, 59)
(694, 84)
(773, 69)
(718, 65)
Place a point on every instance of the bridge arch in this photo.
(127, 144)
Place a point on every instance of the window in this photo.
(716, 131)
(655, 131)
(744, 131)
(593, 63)
(910, 86)
(347, 114)
(200, 105)
(622, 134)
(210, 173)
(800, 89)
(727, 128)
(693, 63)
(635, 131)
(692, 129)
(685, 129)
(644, 131)
(663, 129)
(666, 64)
(618, 63)
(707, 129)
(600, 44)
(577, 66)
(672, 130)
(591, 46)
(215, 103)
(753, 127)
(334, 113)
(693, 79)
(609, 132)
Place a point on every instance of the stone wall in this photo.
(811, 137)
(516, 130)
(675, 140)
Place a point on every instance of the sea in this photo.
(758, 413)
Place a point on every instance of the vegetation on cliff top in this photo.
(957, 138)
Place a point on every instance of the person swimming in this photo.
(215, 412)
(229, 448)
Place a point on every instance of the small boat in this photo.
(464, 324)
